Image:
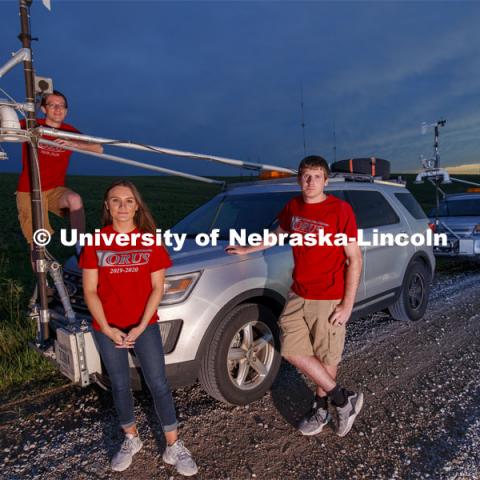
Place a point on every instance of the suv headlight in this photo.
(179, 287)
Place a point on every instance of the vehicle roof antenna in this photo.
(303, 121)
(334, 142)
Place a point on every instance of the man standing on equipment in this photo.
(52, 165)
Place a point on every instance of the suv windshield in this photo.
(253, 212)
(469, 207)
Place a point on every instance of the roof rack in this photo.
(353, 177)
(273, 181)
(335, 177)
(366, 178)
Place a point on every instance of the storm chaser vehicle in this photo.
(218, 317)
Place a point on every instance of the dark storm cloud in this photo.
(225, 77)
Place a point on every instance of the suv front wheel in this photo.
(413, 299)
(243, 357)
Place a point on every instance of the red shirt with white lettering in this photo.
(52, 162)
(124, 281)
(319, 271)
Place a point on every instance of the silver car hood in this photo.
(193, 257)
(460, 225)
(189, 259)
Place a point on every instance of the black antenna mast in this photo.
(334, 142)
(39, 254)
(303, 121)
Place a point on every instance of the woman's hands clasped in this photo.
(133, 334)
(122, 339)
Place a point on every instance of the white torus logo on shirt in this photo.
(51, 151)
(306, 225)
(128, 258)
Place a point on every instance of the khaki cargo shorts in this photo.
(306, 331)
(51, 203)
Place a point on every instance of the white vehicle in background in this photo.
(459, 218)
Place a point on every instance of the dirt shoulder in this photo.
(420, 420)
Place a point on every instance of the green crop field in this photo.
(169, 199)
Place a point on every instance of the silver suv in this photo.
(218, 316)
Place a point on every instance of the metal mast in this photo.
(334, 142)
(39, 260)
(303, 122)
(438, 180)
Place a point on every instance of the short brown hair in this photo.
(143, 219)
(45, 96)
(314, 161)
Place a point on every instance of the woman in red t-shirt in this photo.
(123, 282)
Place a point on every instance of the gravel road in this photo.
(421, 418)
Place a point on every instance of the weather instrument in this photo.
(432, 171)
(431, 167)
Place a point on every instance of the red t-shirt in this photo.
(124, 281)
(319, 271)
(52, 162)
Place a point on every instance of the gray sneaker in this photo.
(123, 458)
(314, 421)
(347, 414)
(178, 455)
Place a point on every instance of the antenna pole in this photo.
(303, 122)
(334, 142)
(438, 181)
(39, 260)
(436, 153)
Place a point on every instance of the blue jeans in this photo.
(149, 351)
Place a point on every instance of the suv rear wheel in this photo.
(413, 299)
(243, 357)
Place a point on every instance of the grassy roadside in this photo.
(18, 364)
(169, 198)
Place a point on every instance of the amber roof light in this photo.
(271, 174)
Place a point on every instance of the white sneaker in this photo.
(123, 458)
(178, 455)
(314, 421)
(348, 413)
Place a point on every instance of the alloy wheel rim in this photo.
(250, 355)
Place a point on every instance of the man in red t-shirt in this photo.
(52, 164)
(325, 282)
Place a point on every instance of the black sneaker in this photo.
(347, 414)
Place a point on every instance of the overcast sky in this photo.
(225, 78)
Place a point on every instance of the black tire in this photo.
(413, 299)
(238, 381)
